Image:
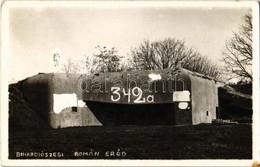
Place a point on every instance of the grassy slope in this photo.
(155, 142)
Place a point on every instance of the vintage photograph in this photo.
(131, 80)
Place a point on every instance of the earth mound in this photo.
(21, 115)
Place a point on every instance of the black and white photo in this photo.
(101, 83)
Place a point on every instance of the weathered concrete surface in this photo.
(156, 86)
(74, 117)
(170, 88)
(159, 97)
(204, 95)
(39, 91)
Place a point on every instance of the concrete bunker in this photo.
(178, 97)
(55, 97)
(157, 97)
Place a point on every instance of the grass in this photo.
(140, 142)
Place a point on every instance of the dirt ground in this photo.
(150, 142)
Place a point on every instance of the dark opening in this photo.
(217, 113)
(136, 114)
(207, 113)
(110, 114)
(74, 109)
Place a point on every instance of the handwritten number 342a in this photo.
(136, 92)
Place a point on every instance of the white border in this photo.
(256, 92)
(123, 4)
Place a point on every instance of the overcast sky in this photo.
(37, 33)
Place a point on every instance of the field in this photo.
(137, 142)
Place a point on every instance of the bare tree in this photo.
(66, 66)
(71, 67)
(169, 53)
(202, 64)
(107, 60)
(90, 65)
(238, 53)
(56, 61)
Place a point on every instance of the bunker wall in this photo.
(36, 91)
(60, 102)
(182, 104)
(204, 99)
(57, 99)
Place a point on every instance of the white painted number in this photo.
(136, 92)
(138, 95)
(115, 91)
(127, 94)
